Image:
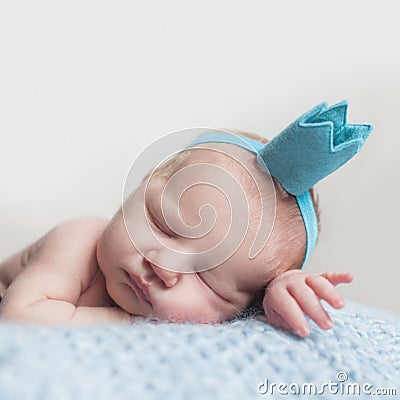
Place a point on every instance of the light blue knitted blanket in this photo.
(241, 359)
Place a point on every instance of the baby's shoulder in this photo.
(61, 266)
(86, 231)
(69, 251)
(87, 226)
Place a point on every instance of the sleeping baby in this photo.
(154, 258)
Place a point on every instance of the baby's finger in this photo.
(291, 312)
(275, 320)
(324, 289)
(338, 277)
(310, 304)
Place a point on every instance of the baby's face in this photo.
(145, 288)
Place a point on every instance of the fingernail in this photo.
(328, 323)
(341, 303)
(304, 330)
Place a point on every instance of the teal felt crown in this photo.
(312, 147)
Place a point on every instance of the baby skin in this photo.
(87, 271)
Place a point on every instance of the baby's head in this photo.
(146, 288)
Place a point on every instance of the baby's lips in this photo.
(144, 287)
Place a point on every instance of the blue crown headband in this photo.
(313, 146)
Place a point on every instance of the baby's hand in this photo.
(296, 292)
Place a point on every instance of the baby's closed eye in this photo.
(161, 228)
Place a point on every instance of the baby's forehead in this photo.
(232, 159)
(201, 170)
(220, 154)
(220, 172)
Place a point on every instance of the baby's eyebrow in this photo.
(146, 176)
(159, 223)
(153, 207)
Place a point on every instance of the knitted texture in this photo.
(148, 360)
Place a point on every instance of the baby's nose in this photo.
(162, 261)
(170, 278)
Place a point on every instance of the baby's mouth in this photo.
(140, 288)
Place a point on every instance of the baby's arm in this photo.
(296, 292)
(47, 290)
(14, 264)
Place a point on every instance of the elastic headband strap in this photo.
(303, 200)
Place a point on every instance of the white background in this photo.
(86, 85)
